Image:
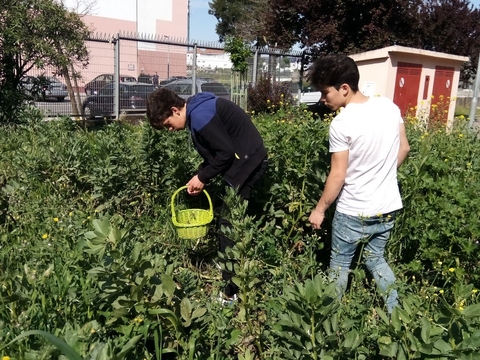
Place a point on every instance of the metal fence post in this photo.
(255, 67)
(116, 80)
(473, 104)
(194, 69)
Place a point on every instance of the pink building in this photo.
(162, 20)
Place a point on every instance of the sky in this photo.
(202, 25)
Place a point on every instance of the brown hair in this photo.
(159, 106)
(334, 70)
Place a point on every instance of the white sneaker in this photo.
(224, 300)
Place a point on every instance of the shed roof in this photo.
(386, 52)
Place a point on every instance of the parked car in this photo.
(133, 98)
(101, 80)
(310, 96)
(55, 89)
(170, 79)
(44, 87)
(183, 88)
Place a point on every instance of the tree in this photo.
(349, 26)
(36, 34)
(453, 27)
(343, 26)
(240, 18)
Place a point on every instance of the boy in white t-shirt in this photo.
(368, 143)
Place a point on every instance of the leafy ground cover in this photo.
(88, 252)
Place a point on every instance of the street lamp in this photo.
(168, 58)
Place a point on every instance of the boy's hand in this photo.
(195, 186)
(316, 218)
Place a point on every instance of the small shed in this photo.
(422, 83)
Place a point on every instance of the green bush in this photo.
(268, 97)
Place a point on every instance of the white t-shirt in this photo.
(370, 132)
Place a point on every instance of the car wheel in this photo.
(60, 98)
(87, 112)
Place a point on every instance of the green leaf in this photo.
(102, 226)
(59, 344)
(442, 346)
(199, 312)
(352, 339)
(186, 309)
(472, 311)
(384, 340)
(389, 350)
(382, 315)
(426, 349)
(128, 347)
(168, 285)
(425, 333)
(311, 294)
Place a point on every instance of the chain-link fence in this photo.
(125, 68)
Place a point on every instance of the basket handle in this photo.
(172, 203)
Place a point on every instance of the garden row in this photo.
(88, 252)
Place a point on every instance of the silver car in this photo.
(183, 88)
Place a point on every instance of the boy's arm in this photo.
(404, 146)
(333, 185)
(216, 137)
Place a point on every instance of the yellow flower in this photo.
(70, 213)
(451, 270)
(460, 135)
(441, 291)
(268, 100)
(55, 219)
(469, 164)
(6, 358)
(44, 236)
(460, 308)
(439, 263)
(446, 160)
(474, 291)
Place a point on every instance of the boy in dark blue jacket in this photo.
(224, 136)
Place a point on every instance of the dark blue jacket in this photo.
(225, 137)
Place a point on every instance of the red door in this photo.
(406, 86)
(442, 89)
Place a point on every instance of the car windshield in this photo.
(53, 79)
(143, 89)
(216, 88)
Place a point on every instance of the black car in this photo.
(101, 80)
(133, 98)
(43, 87)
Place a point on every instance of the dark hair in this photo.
(159, 106)
(334, 70)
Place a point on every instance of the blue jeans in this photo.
(347, 233)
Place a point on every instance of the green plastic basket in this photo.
(191, 223)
